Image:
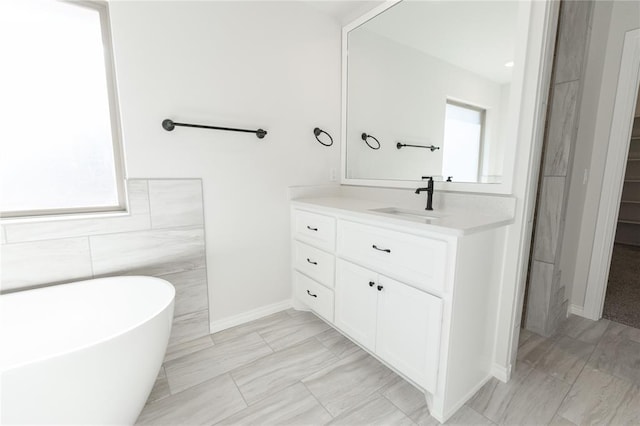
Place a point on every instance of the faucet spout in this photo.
(429, 190)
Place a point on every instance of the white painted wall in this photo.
(398, 93)
(274, 65)
(611, 20)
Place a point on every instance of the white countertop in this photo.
(452, 222)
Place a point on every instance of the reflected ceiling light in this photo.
(509, 64)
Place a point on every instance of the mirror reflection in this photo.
(430, 81)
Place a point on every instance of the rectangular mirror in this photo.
(432, 88)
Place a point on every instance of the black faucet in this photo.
(429, 190)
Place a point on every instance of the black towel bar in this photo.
(169, 125)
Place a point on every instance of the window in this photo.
(60, 149)
(463, 133)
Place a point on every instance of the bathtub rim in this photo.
(125, 330)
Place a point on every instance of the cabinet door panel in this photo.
(356, 302)
(408, 336)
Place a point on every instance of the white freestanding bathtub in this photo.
(83, 353)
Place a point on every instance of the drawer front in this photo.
(316, 229)
(318, 264)
(316, 296)
(417, 260)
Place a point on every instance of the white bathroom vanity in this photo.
(418, 290)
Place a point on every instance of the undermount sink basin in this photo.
(415, 215)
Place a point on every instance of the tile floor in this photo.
(293, 368)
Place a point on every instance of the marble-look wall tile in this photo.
(549, 216)
(562, 128)
(191, 291)
(50, 230)
(3, 238)
(138, 195)
(540, 282)
(156, 252)
(176, 203)
(574, 25)
(136, 220)
(188, 327)
(42, 262)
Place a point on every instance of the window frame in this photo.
(102, 7)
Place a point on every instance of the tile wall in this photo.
(546, 300)
(162, 236)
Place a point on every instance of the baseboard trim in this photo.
(223, 324)
(501, 372)
(576, 310)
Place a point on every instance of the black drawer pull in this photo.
(311, 262)
(371, 283)
(379, 249)
(380, 288)
(313, 229)
(311, 294)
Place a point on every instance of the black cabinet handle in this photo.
(380, 288)
(311, 294)
(313, 229)
(379, 249)
(371, 283)
(311, 262)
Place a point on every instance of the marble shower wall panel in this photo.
(540, 290)
(575, 21)
(562, 129)
(544, 314)
(549, 218)
(62, 250)
(32, 263)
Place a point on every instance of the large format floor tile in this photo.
(292, 406)
(348, 382)
(595, 398)
(211, 362)
(281, 369)
(537, 402)
(376, 411)
(291, 368)
(203, 404)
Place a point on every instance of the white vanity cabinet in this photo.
(423, 299)
(397, 322)
(314, 266)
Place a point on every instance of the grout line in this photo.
(149, 205)
(239, 391)
(90, 256)
(316, 398)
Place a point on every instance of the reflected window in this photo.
(463, 134)
(60, 149)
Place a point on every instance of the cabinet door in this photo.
(355, 302)
(408, 334)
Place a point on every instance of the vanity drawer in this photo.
(413, 259)
(315, 263)
(316, 296)
(316, 229)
